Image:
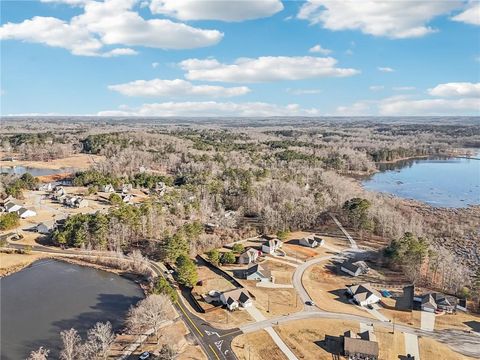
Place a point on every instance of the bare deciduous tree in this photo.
(150, 313)
(99, 340)
(40, 354)
(71, 344)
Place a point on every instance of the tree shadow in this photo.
(109, 307)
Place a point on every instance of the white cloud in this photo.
(471, 15)
(403, 88)
(303, 91)
(224, 10)
(358, 108)
(385, 69)
(393, 19)
(376, 87)
(177, 87)
(108, 23)
(67, 2)
(399, 106)
(212, 108)
(319, 49)
(267, 68)
(155, 65)
(456, 89)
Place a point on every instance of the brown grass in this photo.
(431, 349)
(319, 282)
(303, 337)
(78, 161)
(390, 345)
(455, 321)
(211, 281)
(10, 263)
(258, 345)
(283, 273)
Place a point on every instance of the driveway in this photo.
(427, 321)
(411, 345)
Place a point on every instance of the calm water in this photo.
(439, 182)
(49, 296)
(20, 170)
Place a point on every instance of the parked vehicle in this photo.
(310, 303)
(144, 355)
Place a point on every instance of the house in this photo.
(311, 241)
(127, 188)
(59, 193)
(12, 207)
(25, 213)
(45, 187)
(249, 256)
(354, 268)
(364, 294)
(127, 198)
(81, 203)
(8, 199)
(270, 246)
(436, 301)
(355, 347)
(108, 188)
(45, 227)
(255, 272)
(233, 299)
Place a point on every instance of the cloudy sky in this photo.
(240, 58)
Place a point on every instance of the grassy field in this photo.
(258, 345)
(431, 349)
(10, 263)
(327, 290)
(78, 161)
(306, 338)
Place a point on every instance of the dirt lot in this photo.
(211, 281)
(277, 301)
(282, 273)
(306, 338)
(327, 290)
(460, 320)
(431, 349)
(78, 161)
(10, 263)
(258, 345)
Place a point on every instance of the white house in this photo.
(233, 299)
(364, 294)
(311, 241)
(249, 256)
(108, 188)
(45, 187)
(25, 213)
(127, 198)
(270, 246)
(354, 268)
(12, 207)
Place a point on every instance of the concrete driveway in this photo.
(427, 321)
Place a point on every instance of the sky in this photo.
(240, 57)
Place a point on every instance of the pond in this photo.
(20, 170)
(49, 296)
(440, 182)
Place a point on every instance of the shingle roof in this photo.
(359, 346)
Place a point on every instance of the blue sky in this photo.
(244, 58)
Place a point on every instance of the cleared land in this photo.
(78, 161)
(431, 349)
(258, 345)
(306, 338)
(327, 290)
(10, 263)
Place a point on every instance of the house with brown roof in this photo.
(356, 348)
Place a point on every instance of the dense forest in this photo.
(262, 176)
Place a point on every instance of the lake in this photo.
(49, 296)
(20, 170)
(440, 182)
